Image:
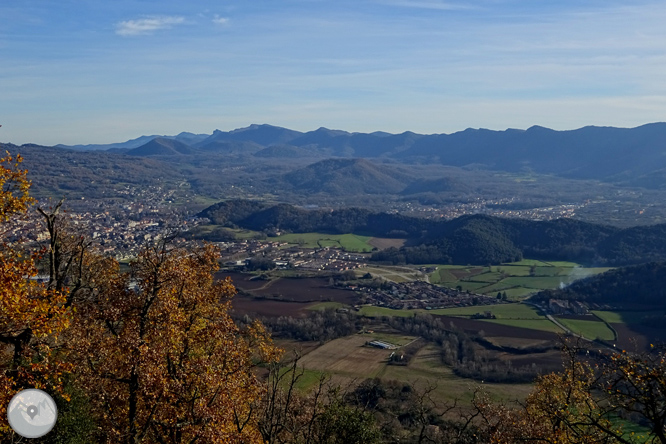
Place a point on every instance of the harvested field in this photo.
(268, 307)
(632, 337)
(241, 280)
(305, 290)
(517, 342)
(348, 356)
(550, 361)
(495, 329)
(529, 324)
(382, 243)
(291, 346)
(426, 369)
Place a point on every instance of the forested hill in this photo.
(473, 239)
(643, 284)
(260, 216)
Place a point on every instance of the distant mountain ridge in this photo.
(627, 156)
(161, 146)
(185, 137)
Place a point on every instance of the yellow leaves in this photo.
(175, 337)
(14, 187)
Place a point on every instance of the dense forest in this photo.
(474, 239)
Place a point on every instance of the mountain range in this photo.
(618, 174)
(627, 156)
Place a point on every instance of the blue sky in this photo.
(93, 71)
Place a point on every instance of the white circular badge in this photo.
(32, 413)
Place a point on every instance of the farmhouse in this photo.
(578, 307)
(558, 306)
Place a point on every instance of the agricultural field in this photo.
(512, 315)
(426, 369)
(285, 296)
(393, 273)
(348, 360)
(517, 279)
(524, 319)
(502, 311)
(623, 317)
(348, 356)
(326, 306)
(373, 311)
(633, 333)
(588, 328)
(348, 242)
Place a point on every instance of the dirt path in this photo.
(265, 286)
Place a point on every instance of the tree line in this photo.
(458, 350)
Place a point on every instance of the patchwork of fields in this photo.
(516, 279)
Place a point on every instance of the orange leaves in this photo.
(168, 357)
(32, 316)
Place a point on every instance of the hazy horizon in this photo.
(99, 72)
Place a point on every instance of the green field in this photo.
(588, 329)
(623, 317)
(515, 315)
(502, 311)
(517, 279)
(348, 242)
(529, 262)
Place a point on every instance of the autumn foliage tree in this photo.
(160, 356)
(32, 316)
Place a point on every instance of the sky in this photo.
(99, 71)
